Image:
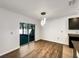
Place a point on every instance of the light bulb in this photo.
(43, 22)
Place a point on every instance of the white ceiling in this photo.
(33, 8)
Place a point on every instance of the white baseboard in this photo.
(57, 42)
(9, 51)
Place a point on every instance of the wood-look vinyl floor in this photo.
(46, 49)
(40, 49)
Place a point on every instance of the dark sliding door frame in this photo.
(27, 33)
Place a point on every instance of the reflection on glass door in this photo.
(27, 33)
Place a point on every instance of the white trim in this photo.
(9, 51)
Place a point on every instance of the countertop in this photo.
(73, 35)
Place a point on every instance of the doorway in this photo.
(27, 33)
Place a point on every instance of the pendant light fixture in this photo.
(43, 21)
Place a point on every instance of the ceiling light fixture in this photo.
(43, 21)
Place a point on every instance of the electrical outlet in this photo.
(11, 33)
(61, 31)
(58, 38)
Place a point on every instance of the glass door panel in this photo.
(27, 33)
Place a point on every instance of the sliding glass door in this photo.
(27, 33)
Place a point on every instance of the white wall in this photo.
(56, 30)
(9, 30)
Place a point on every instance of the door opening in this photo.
(27, 33)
